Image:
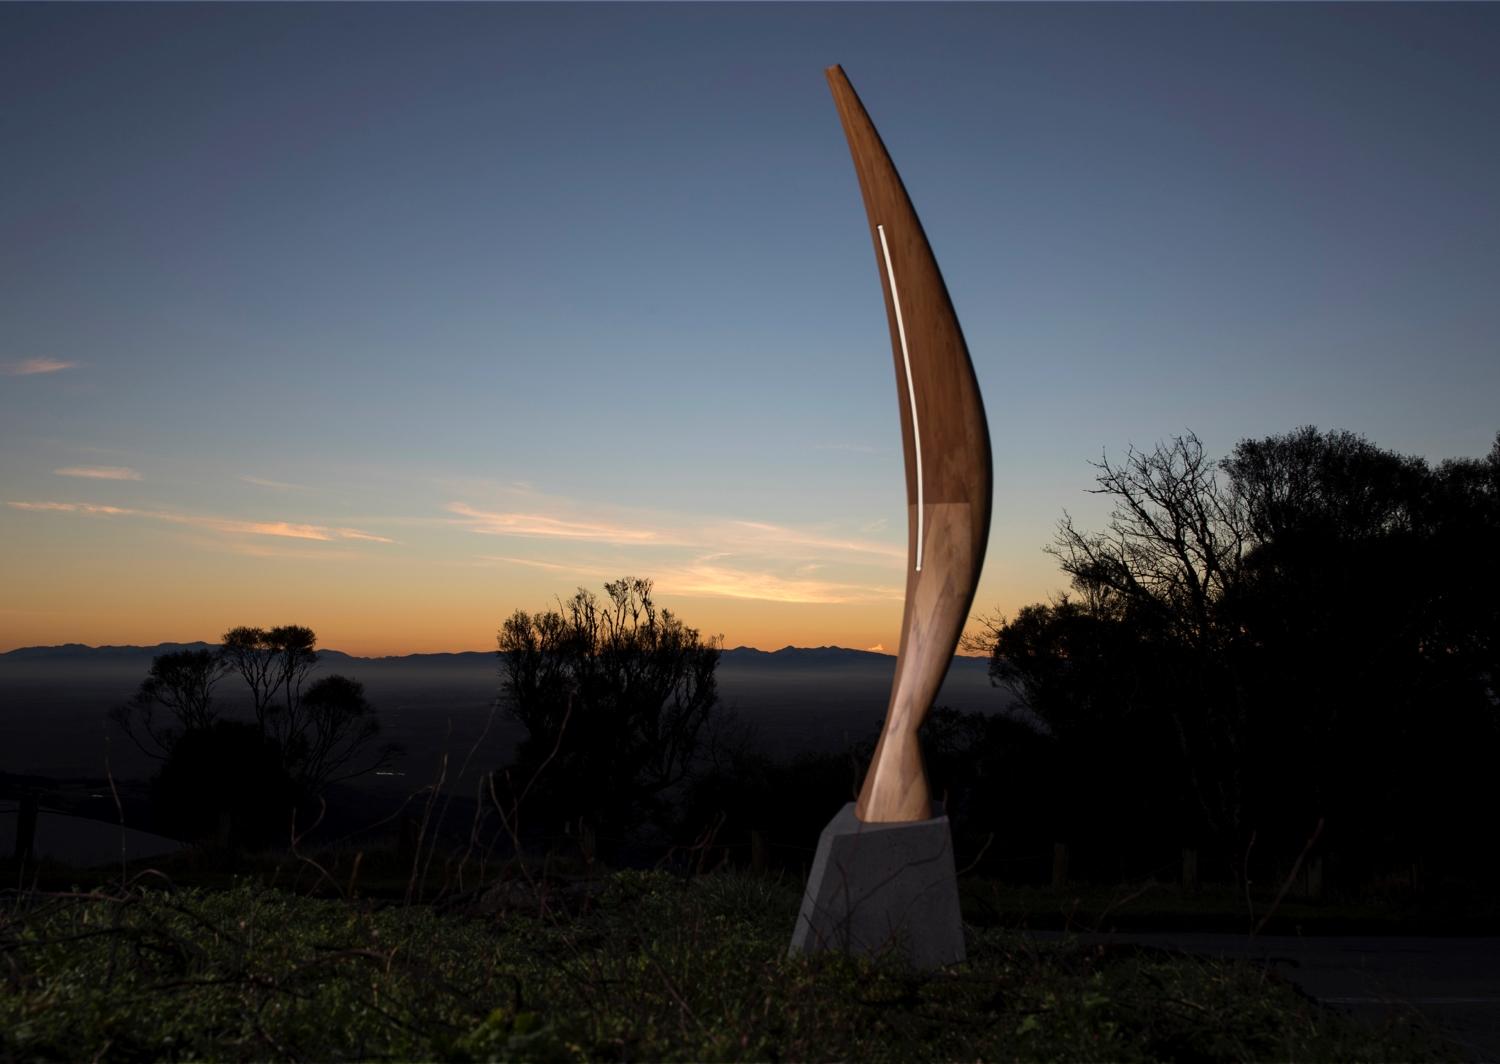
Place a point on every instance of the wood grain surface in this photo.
(942, 419)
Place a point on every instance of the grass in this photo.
(1156, 906)
(645, 966)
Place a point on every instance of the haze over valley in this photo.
(53, 702)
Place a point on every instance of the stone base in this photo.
(883, 887)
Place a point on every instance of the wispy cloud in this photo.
(261, 550)
(354, 533)
(719, 581)
(542, 525)
(552, 567)
(711, 557)
(792, 542)
(73, 507)
(700, 579)
(99, 472)
(726, 535)
(285, 529)
(277, 485)
(228, 526)
(30, 367)
(878, 648)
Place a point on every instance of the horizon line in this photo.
(421, 653)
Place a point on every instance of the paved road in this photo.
(1454, 982)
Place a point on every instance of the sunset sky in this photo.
(390, 320)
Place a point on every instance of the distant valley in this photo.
(53, 701)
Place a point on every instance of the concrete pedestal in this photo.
(880, 887)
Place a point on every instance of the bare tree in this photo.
(338, 727)
(249, 653)
(1173, 549)
(176, 697)
(323, 731)
(274, 663)
(1174, 545)
(293, 657)
(620, 688)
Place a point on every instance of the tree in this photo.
(319, 734)
(323, 729)
(226, 782)
(248, 652)
(180, 686)
(1174, 544)
(1173, 549)
(613, 696)
(1316, 618)
(274, 662)
(1369, 619)
(1110, 694)
(338, 726)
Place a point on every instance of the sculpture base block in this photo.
(883, 888)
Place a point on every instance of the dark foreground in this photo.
(1454, 983)
(637, 966)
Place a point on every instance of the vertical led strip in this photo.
(911, 394)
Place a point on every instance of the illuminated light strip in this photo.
(911, 394)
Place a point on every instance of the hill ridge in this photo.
(77, 650)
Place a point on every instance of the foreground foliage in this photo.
(646, 967)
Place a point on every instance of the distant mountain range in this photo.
(786, 656)
(54, 700)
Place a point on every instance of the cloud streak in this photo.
(722, 581)
(278, 485)
(700, 579)
(543, 526)
(227, 526)
(728, 536)
(715, 557)
(98, 472)
(30, 367)
(73, 507)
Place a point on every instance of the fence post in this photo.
(757, 852)
(1190, 870)
(406, 840)
(1059, 865)
(26, 818)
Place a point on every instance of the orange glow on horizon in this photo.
(368, 627)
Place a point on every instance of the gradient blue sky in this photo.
(390, 320)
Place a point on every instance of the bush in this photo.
(226, 784)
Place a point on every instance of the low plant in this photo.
(646, 966)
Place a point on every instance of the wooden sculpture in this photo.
(948, 479)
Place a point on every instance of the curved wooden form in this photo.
(948, 477)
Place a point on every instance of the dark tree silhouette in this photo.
(249, 653)
(1368, 616)
(1173, 548)
(319, 733)
(226, 784)
(339, 725)
(175, 698)
(325, 729)
(1174, 543)
(1315, 619)
(274, 663)
(615, 694)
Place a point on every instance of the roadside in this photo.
(1451, 982)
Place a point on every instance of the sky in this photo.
(391, 320)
